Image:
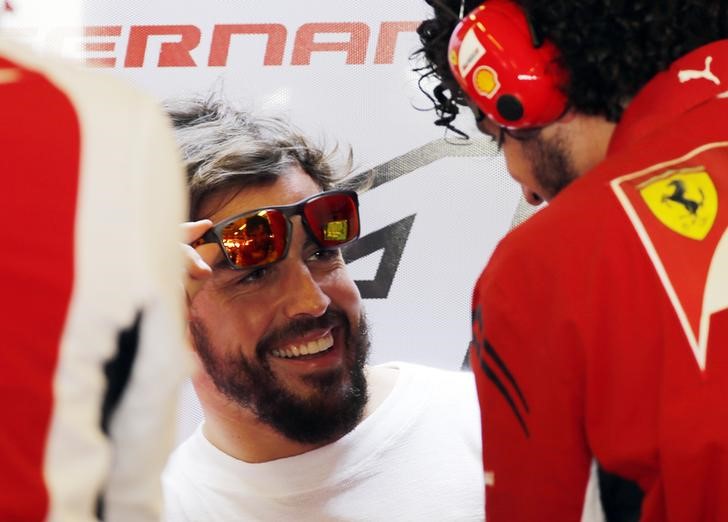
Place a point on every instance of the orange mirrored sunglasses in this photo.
(262, 236)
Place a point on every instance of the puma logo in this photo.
(691, 74)
(9, 75)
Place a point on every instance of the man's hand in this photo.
(199, 260)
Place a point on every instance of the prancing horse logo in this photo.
(684, 200)
(678, 196)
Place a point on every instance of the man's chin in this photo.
(315, 417)
(323, 388)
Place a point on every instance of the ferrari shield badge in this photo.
(685, 201)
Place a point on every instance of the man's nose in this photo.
(531, 197)
(302, 293)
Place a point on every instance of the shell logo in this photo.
(485, 81)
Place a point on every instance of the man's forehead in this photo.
(226, 203)
(286, 189)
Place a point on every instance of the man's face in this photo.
(540, 163)
(287, 341)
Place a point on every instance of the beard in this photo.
(339, 395)
(553, 168)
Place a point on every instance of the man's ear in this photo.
(568, 116)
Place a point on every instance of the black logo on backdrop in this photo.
(393, 238)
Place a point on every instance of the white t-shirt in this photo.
(417, 457)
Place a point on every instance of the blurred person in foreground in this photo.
(92, 327)
(600, 326)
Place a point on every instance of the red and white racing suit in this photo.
(91, 327)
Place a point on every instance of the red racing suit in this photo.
(91, 330)
(600, 326)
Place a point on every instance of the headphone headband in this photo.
(505, 69)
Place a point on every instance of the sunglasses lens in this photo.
(257, 239)
(333, 218)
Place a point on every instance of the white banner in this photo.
(341, 69)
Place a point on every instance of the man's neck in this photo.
(241, 435)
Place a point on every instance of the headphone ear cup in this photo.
(500, 64)
(509, 107)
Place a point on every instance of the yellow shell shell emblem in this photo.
(684, 200)
(485, 80)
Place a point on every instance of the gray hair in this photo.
(229, 149)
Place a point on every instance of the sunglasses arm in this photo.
(207, 237)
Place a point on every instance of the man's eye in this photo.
(524, 134)
(254, 277)
(497, 135)
(498, 138)
(330, 254)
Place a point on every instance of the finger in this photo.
(198, 260)
(206, 255)
(199, 263)
(195, 265)
(192, 230)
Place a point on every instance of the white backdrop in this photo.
(437, 208)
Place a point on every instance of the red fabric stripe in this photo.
(39, 165)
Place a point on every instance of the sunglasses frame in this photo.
(214, 235)
(525, 134)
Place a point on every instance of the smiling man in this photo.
(294, 358)
(297, 426)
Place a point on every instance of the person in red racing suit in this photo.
(92, 325)
(600, 326)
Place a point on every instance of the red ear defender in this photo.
(499, 65)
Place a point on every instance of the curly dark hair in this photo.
(610, 48)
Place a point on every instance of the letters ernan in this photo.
(103, 45)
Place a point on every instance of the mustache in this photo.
(300, 327)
